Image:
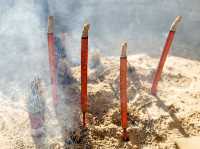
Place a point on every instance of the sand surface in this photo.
(154, 122)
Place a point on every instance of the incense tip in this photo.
(178, 18)
(175, 23)
(124, 49)
(50, 24)
(86, 28)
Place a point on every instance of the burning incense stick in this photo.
(52, 59)
(123, 90)
(164, 54)
(84, 71)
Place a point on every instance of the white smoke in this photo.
(23, 50)
(143, 23)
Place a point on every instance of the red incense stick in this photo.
(164, 54)
(123, 90)
(52, 59)
(84, 71)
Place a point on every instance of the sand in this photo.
(153, 122)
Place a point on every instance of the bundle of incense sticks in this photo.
(52, 59)
(123, 90)
(165, 52)
(84, 71)
(36, 107)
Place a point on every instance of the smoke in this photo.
(23, 50)
(24, 55)
(143, 23)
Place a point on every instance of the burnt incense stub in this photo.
(124, 50)
(36, 100)
(50, 24)
(36, 107)
(86, 28)
(175, 23)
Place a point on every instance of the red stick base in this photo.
(84, 119)
(125, 135)
(154, 91)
